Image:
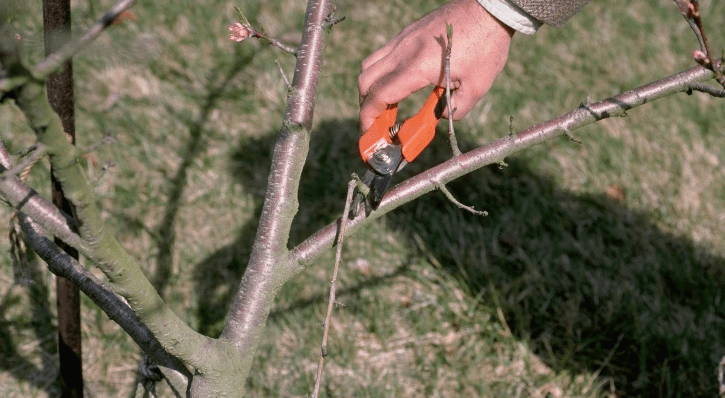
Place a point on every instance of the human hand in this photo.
(416, 59)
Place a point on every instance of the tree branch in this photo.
(333, 286)
(56, 59)
(449, 195)
(704, 88)
(96, 242)
(25, 199)
(496, 151)
(61, 264)
(449, 101)
(269, 266)
(27, 162)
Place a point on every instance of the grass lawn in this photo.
(599, 270)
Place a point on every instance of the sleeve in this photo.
(526, 16)
(551, 12)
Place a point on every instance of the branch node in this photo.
(571, 136)
(586, 102)
(330, 22)
(449, 195)
(502, 165)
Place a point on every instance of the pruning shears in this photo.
(388, 146)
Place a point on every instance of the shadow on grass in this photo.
(194, 147)
(590, 284)
(41, 322)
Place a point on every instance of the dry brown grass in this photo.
(426, 288)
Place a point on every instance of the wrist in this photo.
(511, 15)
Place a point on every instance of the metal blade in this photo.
(384, 163)
(378, 187)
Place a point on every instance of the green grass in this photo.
(561, 290)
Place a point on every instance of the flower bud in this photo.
(239, 32)
(700, 57)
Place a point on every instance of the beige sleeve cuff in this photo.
(511, 15)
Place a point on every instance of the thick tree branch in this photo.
(61, 264)
(496, 151)
(25, 199)
(269, 268)
(97, 243)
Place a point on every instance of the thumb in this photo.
(461, 102)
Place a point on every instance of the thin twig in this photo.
(27, 162)
(704, 88)
(690, 10)
(107, 140)
(449, 101)
(56, 59)
(331, 302)
(362, 191)
(360, 185)
(23, 153)
(281, 72)
(272, 41)
(243, 30)
(449, 195)
(330, 22)
(103, 171)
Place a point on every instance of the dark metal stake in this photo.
(57, 24)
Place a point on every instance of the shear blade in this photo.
(378, 184)
(378, 187)
(384, 163)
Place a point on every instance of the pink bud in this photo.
(700, 57)
(686, 8)
(239, 32)
(18, 37)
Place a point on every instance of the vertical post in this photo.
(57, 26)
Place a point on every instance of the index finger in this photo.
(387, 89)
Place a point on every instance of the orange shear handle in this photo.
(417, 132)
(379, 133)
(414, 135)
